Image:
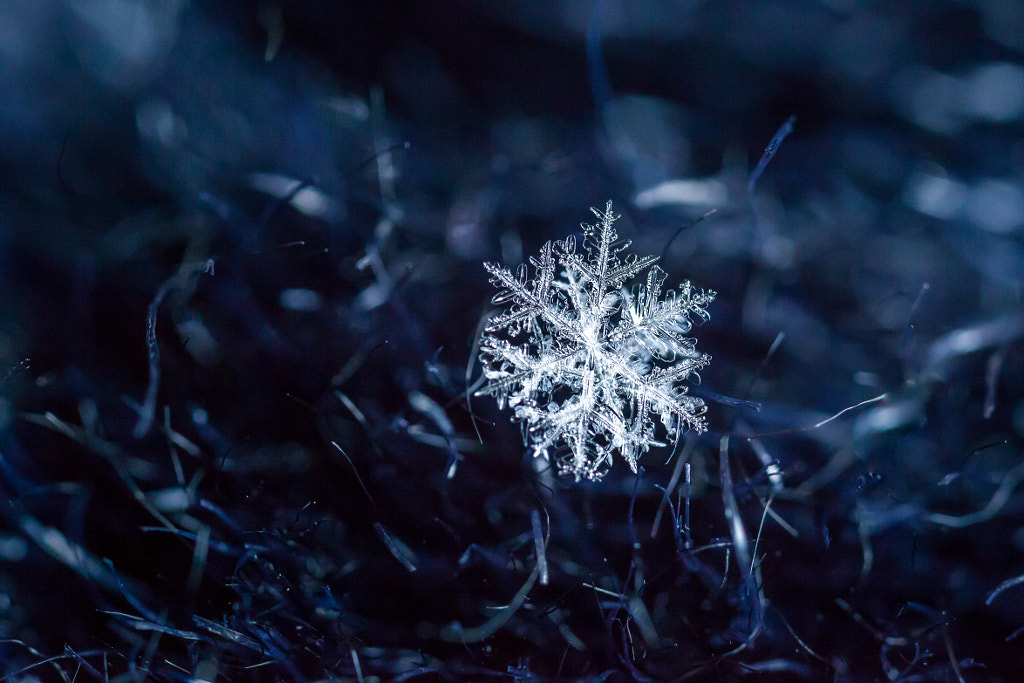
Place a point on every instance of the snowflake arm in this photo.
(585, 364)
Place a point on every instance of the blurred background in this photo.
(241, 282)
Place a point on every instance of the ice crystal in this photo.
(587, 364)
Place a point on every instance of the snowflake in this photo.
(587, 364)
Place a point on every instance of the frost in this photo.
(587, 364)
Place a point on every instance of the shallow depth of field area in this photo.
(250, 351)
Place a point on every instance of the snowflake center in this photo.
(592, 335)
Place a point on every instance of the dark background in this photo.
(296, 198)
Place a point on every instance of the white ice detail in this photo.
(585, 363)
